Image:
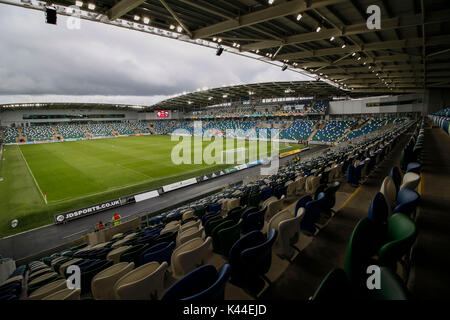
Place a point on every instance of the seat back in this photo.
(253, 221)
(407, 201)
(65, 294)
(190, 255)
(258, 259)
(312, 215)
(410, 180)
(401, 234)
(388, 191)
(188, 225)
(396, 177)
(103, 282)
(335, 286)
(392, 287)
(359, 251)
(203, 283)
(227, 236)
(48, 289)
(288, 233)
(143, 283)
(189, 234)
(160, 252)
(378, 210)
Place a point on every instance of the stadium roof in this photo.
(207, 97)
(331, 40)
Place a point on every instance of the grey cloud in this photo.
(102, 60)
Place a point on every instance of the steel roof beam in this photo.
(273, 12)
(123, 7)
(360, 28)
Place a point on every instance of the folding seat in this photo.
(147, 239)
(288, 227)
(410, 180)
(212, 223)
(253, 220)
(299, 185)
(250, 259)
(359, 253)
(188, 225)
(115, 254)
(378, 210)
(358, 173)
(253, 199)
(65, 294)
(203, 283)
(225, 235)
(266, 193)
(215, 207)
(166, 237)
(325, 176)
(12, 288)
(350, 174)
(401, 235)
(233, 203)
(103, 282)
(312, 183)
(407, 202)
(57, 260)
(187, 215)
(119, 243)
(63, 267)
(389, 192)
(88, 273)
(133, 254)
(170, 228)
(330, 197)
(189, 255)
(189, 234)
(279, 191)
(235, 214)
(160, 252)
(396, 177)
(273, 207)
(312, 215)
(48, 289)
(42, 280)
(335, 286)
(392, 287)
(207, 216)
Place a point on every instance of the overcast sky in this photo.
(102, 63)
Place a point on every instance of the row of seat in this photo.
(383, 240)
(250, 221)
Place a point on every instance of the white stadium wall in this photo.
(359, 106)
(9, 117)
(17, 116)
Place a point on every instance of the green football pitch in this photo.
(82, 173)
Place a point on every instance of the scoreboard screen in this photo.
(162, 114)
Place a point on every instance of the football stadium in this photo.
(322, 174)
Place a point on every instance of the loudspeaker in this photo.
(219, 51)
(50, 14)
(284, 68)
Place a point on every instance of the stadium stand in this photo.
(442, 119)
(332, 130)
(215, 232)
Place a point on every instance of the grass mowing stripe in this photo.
(32, 175)
(82, 173)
